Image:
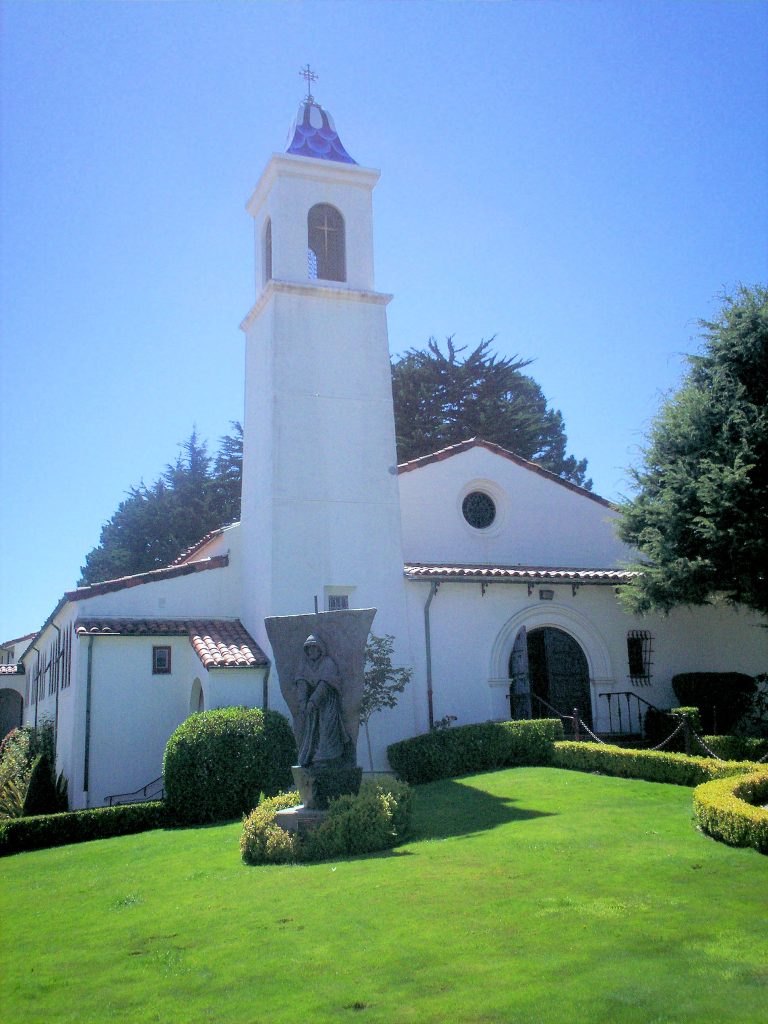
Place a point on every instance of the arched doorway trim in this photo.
(577, 625)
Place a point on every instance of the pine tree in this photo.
(442, 399)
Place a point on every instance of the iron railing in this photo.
(153, 790)
(625, 714)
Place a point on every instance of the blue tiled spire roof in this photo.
(313, 133)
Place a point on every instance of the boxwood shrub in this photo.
(729, 809)
(376, 818)
(737, 748)
(651, 765)
(44, 830)
(217, 763)
(444, 753)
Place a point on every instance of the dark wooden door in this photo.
(558, 672)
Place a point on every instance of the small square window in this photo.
(338, 602)
(161, 661)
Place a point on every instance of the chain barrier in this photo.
(587, 729)
(704, 746)
(670, 737)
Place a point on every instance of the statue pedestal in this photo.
(299, 819)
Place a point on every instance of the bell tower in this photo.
(320, 509)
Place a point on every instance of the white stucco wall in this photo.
(538, 521)
(211, 594)
(134, 712)
(472, 636)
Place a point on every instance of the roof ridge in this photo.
(496, 449)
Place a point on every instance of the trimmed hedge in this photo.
(728, 810)
(736, 748)
(464, 749)
(376, 818)
(44, 830)
(217, 763)
(651, 765)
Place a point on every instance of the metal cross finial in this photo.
(309, 76)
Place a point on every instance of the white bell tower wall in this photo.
(321, 509)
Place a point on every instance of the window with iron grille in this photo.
(338, 602)
(325, 238)
(639, 652)
(161, 661)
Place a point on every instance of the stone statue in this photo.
(320, 661)
(320, 733)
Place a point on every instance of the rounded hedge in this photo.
(218, 763)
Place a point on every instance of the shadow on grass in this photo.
(447, 808)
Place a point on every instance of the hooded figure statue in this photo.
(321, 733)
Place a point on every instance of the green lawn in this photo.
(526, 895)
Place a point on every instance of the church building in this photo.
(497, 579)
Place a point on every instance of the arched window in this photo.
(268, 250)
(325, 239)
(196, 698)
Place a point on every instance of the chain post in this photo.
(576, 727)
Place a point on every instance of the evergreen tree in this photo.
(700, 515)
(442, 399)
(155, 523)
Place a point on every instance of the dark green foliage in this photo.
(154, 524)
(376, 818)
(658, 725)
(651, 765)
(218, 762)
(37, 833)
(444, 753)
(42, 796)
(733, 811)
(721, 697)
(27, 754)
(441, 400)
(700, 515)
(737, 748)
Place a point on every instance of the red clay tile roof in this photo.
(12, 670)
(17, 640)
(218, 643)
(186, 555)
(478, 442)
(167, 573)
(522, 573)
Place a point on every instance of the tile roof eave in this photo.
(496, 449)
(516, 574)
(218, 643)
(124, 582)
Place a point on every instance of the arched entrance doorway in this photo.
(11, 711)
(551, 666)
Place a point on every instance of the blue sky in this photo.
(581, 180)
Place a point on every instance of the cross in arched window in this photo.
(326, 229)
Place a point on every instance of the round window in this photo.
(479, 510)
